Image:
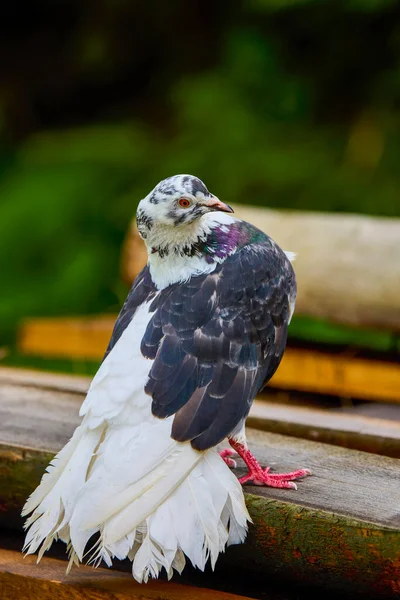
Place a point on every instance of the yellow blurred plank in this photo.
(339, 375)
(301, 369)
(85, 338)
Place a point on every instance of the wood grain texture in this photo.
(345, 482)
(347, 265)
(42, 379)
(359, 432)
(22, 579)
(41, 409)
(340, 528)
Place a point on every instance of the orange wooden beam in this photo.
(22, 578)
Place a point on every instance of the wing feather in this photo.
(216, 340)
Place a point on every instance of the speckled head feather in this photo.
(161, 206)
(183, 241)
(175, 221)
(178, 184)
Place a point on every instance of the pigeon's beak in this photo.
(215, 204)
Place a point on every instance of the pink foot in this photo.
(226, 454)
(260, 476)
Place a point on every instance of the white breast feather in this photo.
(175, 268)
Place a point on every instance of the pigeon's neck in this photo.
(178, 253)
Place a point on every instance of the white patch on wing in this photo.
(292, 298)
(292, 303)
(291, 255)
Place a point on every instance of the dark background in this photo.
(282, 103)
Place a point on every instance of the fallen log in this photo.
(347, 265)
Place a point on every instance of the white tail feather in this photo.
(291, 255)
(123, 478)
(190, 504)
(53, 500)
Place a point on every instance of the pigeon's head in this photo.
(176, 202)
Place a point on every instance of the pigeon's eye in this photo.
(184, 203)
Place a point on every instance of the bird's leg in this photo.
(226, 455)
(259, 476)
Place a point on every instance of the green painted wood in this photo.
(20, 471)
(312, 546)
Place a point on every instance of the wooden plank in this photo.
(22, 578)
(28, 409)
(338, 375)
(350, 483)
(301, 369)
(41, 379)
(78, 384)
(342, 276)
(375, 435)
(66, 337)
(340, 529)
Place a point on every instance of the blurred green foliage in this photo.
(284, 103)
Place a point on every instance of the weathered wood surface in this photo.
(301, 369)
(347, 265)
(22, 579)
(340, 529)
(41, 379)
(43, 408)
(375, 435)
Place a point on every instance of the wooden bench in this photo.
(341, 529)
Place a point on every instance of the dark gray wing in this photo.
(216, 340)
(142, 290)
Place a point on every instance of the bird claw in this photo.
(276, 480)
(259, 476)
(226, 455)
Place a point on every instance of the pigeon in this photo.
(201, 332)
